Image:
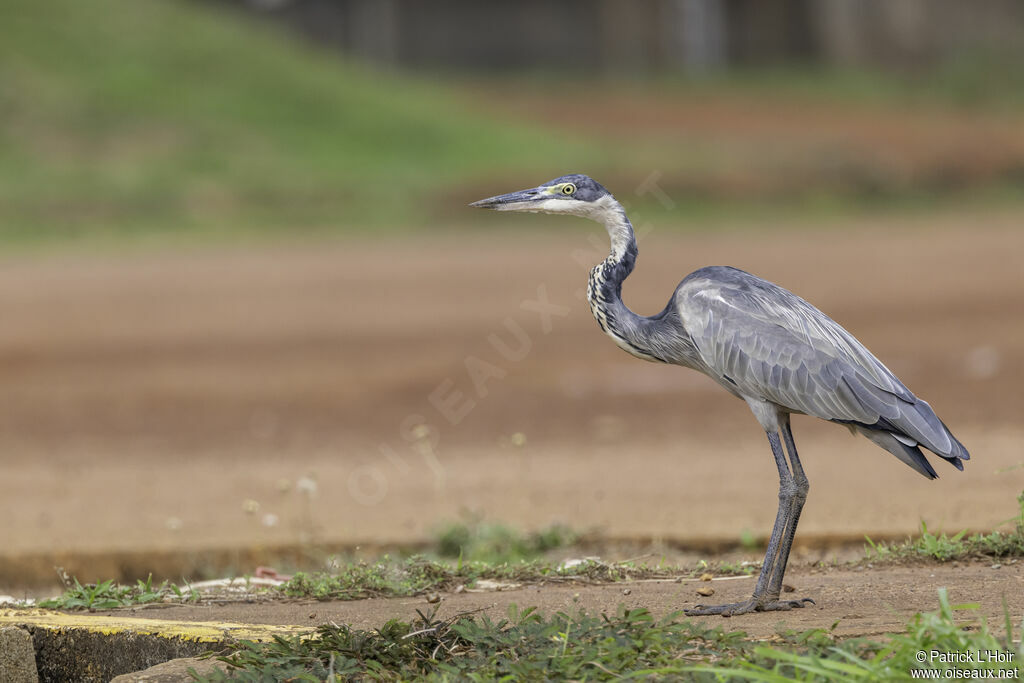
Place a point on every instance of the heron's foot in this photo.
(747, 606)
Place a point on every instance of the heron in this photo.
(762, 344)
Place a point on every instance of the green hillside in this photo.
(139, 115)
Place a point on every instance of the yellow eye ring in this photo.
(568, 188)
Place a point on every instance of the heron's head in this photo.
(574, 194)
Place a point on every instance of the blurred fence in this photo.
(651, 35)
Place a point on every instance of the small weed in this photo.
(960, 546)
(111, 595)
(477, 540)
(748, 541)
(741, 568)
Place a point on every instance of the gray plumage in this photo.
(761, 343)
(759, 340)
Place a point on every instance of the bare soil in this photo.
(360, 394)
(864, 602)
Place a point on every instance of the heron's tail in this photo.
(916, 425)
(911, 455)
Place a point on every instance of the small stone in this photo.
(786, 588)
(626, 591)
(996, 566)
(312, 615)
(706, 591)
(706, 576)
(250, 506)
(461, 588)
(433, 598)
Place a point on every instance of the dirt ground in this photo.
(362, 393)
(864, 602)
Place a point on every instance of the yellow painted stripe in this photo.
(198, 631)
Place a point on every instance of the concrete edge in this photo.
(86, 647)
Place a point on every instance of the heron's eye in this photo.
(568, 188)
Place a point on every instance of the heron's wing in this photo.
(771, 344)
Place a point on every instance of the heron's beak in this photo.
(523, 200)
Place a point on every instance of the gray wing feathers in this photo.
(769, 343)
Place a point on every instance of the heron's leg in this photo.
(802, 487)
(786, 491)
(764, 598)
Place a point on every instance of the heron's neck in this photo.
(604, 291)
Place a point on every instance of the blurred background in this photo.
(247, 314)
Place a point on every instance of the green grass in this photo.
(527, 645)
(110, 595)
(960, 546)
(134, 115)
(420, 575)
(492, 542)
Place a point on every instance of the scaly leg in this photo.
(802, 487)
(766, 598)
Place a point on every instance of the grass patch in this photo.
(526, 645)
(111, 595)
(125, 117)
(493, 542)
(959, 546)
(419, 575)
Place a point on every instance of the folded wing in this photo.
(768, 343)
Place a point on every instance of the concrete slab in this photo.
(17, 656)
(96, 648)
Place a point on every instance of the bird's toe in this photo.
(727, 610)
(785, 605)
